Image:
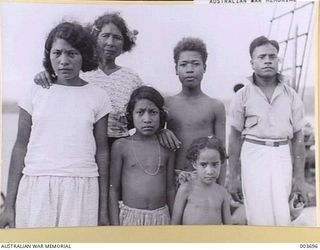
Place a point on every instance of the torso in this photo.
(204, 205)
(143, 181)
(188, 120)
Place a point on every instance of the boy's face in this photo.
(190, 68)
(208, 165)
(146, 117)
(265, 61)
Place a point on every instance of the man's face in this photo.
(265, 61)
(190, 68)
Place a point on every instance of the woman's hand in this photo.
(168, 139)
(7, 219)
(43, 79)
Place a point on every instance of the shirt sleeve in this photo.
(297, 110)
(236, 112)
(25, 101)
(104, 107)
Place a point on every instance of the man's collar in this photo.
(279, 78)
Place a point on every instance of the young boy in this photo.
(201, 200)
(191, 113)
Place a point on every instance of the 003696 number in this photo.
(309, 246)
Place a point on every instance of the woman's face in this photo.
(66, 61)
(110, 41)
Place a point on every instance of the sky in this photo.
(227, 30)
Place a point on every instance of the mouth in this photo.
(147, 127)
(268, 68)
(190, 78)
(65, 70)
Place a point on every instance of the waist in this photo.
(270, 143)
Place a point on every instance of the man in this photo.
(266, 116)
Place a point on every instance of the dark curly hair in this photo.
(151, 94)
(210, 142)
(262, 40)
(190, 44)
(118, 21)
(79, 38)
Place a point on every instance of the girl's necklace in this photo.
(140, 165)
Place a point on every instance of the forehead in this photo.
(208, 154)
(189, 55)
(264, 49)
(144, 104)
(110, 28)
(59, 43)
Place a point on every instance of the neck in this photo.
(77, 81)
(194, 92)
(139, 136)
(265, 82)
(106, 64)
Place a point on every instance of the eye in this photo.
(203, 164)
(56, 53)
(154, 112)
(118, 37)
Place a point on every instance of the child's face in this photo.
(190, 68)
(146, 117)
(208, 165)
(66, 61)
(110, 41)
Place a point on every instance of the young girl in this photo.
(201, 200)
(140, 168)
(60, 158)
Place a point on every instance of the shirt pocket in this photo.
(251, 121)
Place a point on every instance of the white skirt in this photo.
(55, 201)
(266, 174)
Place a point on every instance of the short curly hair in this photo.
(151, 94)
(79, 38)
(190, 44)
(262, 40)
(118, 21)
(210, 142)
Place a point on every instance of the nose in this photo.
(110, 41)
(189, 68)
(146, 117)
(64, 60)
(210, 171)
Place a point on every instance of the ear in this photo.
(251, 62)
(176, 68)
(204, 68)
(194, 165)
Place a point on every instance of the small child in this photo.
(59, 165)
(141, 170)
(201, 200)
(205, 115)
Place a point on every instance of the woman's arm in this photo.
(16, 165)
(102, 159)
(115, 180)
(43, 78)
(171, 189)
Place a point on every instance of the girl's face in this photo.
(208, 165)
(110, 41)
(66, 61)
(146, 117)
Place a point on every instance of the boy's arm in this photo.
(234, 164)
(219, 128)
(16, 165)
(179, 204)
(102, 159)
(170, 182)
(226, 213)
(115, 180)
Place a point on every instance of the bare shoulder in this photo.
(120, 145)
(216, 104)
(222, 190)
(185, 188)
